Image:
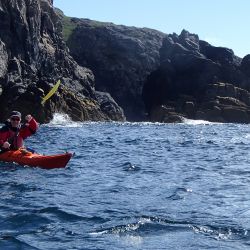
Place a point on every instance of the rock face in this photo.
(166, 76)
(169, 77)
(33, 56)
(121, 58)
(198, 81)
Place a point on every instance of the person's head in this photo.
(15, 118)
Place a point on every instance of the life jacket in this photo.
(14, 139)
(16, 136)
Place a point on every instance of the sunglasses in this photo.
(15, 119)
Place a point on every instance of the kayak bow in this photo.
(24, 157)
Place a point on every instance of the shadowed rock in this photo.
(199, 81)
(120, 57)
(33, 56)
(144, 71)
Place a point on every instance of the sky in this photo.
(220, 22)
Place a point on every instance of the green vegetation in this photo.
(68, 24)
(96, 24)
(68, 27)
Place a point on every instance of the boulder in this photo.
(234, 114)
(110, 107)
(165, 114)
(245, 65)
(173, 118)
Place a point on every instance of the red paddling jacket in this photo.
(16, 136)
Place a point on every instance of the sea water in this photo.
(131, 186)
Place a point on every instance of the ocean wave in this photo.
(56, 213)
(198, 122)
(62, 120)
(8, 242)
(144, 225)
(156, 226)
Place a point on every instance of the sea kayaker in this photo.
(13, 133)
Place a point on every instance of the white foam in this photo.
(197, 122)
(63, 120)
(185, 122)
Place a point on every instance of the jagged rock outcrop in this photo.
(121, 58)
(172, 74)
(245, 65)
(198, 81)
(33, 56)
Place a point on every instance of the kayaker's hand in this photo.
(6, 145)
(28, 118)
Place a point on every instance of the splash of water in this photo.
(197, 122)
(63, 120)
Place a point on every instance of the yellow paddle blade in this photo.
(52, 92)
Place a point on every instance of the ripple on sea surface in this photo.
(131, 186)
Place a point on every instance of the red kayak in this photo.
(24, 157)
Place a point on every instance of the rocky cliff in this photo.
(165, 76)
(120, 57)
(151, 75)
(33, 56)
(198, 81)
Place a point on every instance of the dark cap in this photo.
(15, 113)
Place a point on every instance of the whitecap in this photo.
(197, 122)
(63, 120)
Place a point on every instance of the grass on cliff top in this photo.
(69, 24)
(68, 27)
